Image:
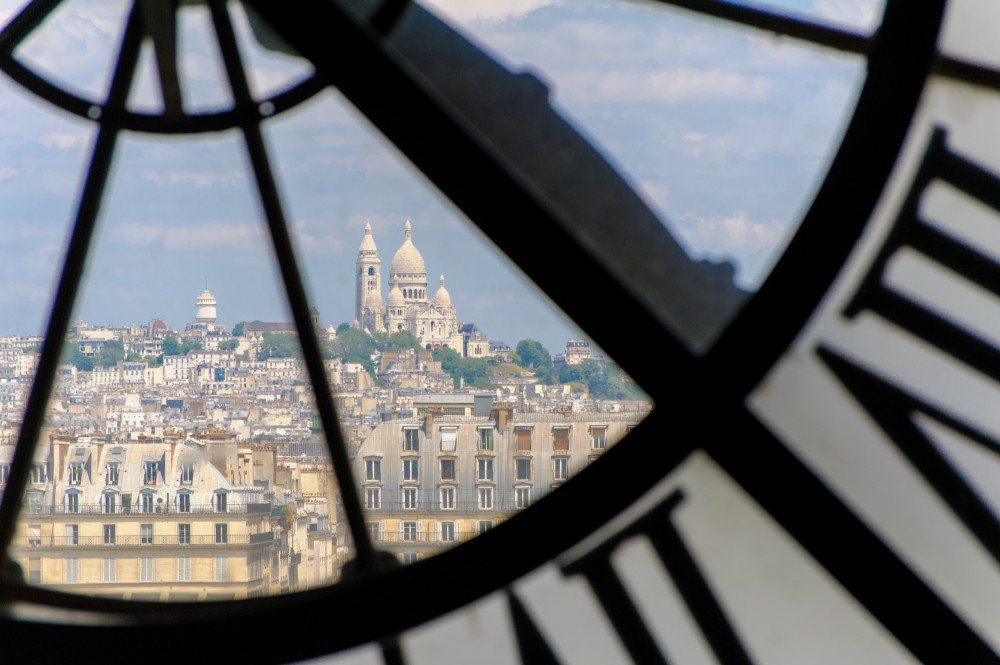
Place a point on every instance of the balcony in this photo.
(159, 509)
(172, 540)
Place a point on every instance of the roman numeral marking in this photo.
(596, 568)
(893, 407)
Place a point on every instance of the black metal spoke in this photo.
(69, 283)
(29, 19)
(160, 23)
(365, 551)
(782, 24)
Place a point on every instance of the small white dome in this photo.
(368, 242)
(395, 298)
(442, 298)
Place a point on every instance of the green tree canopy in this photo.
(534, 356)
(353, 345)
(170, 346)
(474, 371)
(75, 357)
(111, 353)
(189, 344)
(238, 329)
(279, 345)
(228, 344)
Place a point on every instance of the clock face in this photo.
(818, 479)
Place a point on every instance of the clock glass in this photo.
(774, 220)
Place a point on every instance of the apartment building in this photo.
(429, 482)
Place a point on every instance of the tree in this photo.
(111, 353)
(170, 346)
(401, 340)
(82, 362)
(353, 345)
(133, 357)
(279, 345)
(534, 356)
(189, 345)
(238, 329)
(228, 344)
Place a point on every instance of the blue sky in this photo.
(723, 131)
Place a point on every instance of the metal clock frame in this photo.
(464, 150)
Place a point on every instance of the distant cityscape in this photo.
(189, 464)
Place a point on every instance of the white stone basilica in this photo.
(433, 321)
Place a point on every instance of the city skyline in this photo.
(709, 103)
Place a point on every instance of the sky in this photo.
(723, 131)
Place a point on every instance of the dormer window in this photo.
(149, 472)
(75, 474)
(38, 473)
(113, 469)
(187, 473)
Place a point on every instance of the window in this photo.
(145, 534)
(38, 474)
(449, 435)
(447, 498)
(484, 526)
(187, 473)
(486, 439)
(71, 568)
(4, 473)
(149, 471)
(72, 502)
(447, 531)
(373, 498)
(410, 498)
(184, 568)
(75, 474)
(599, 437)
(221, 568)
(108, 503)
(408, 531)
(484, 469)
(523, 435)
(183, 534)
(72, 534)
(34, 535)
(560, 439)
(33, 501)
(411, 439)
(376, 530)
(522, 468)
(485, 498)
(522, 497)
(109, 534)
(221, 534)
(410, 557)
(373, 470)
(560, 468)
(410, 470)
(109, 569)
(221, 502)
(35, 570)
(184, 503)
(146, 502)
(448, 469)
(145, 569)
(113, 469)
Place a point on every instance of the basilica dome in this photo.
(408, 259)
(442, 298)
(395, 298)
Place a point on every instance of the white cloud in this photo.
(674, 86)
(750, 245)
(227, 236)
(197, 178)
(857, 14)
(62, 140)
(464, 11)
(8, 172)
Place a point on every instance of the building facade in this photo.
(430, 482)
